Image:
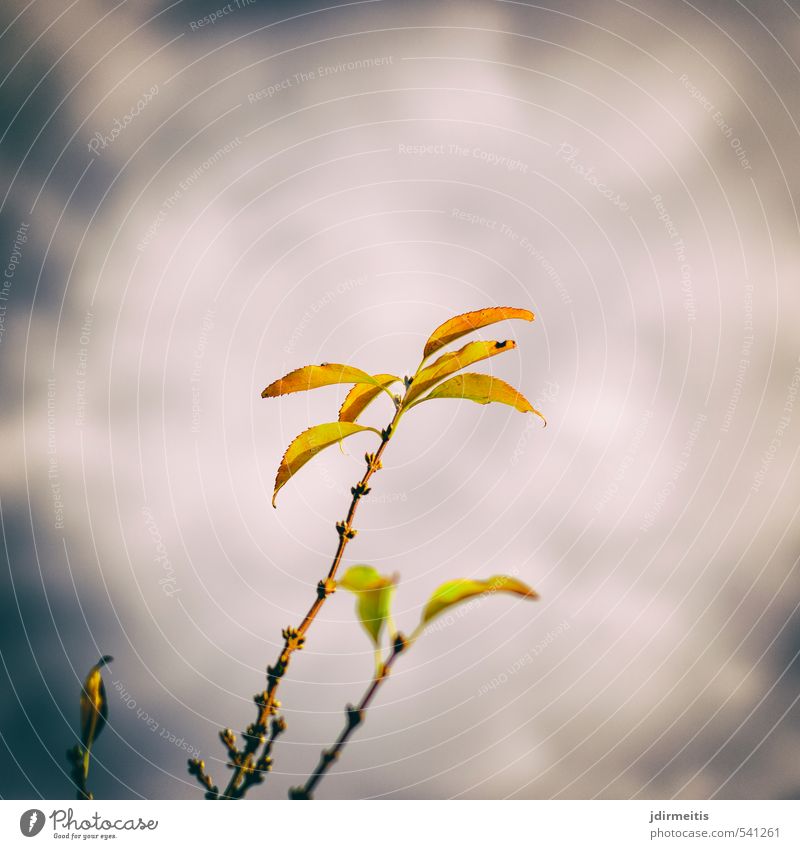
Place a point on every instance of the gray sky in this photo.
(193, 208)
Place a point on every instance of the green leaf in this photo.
(454, 361)
(455, 592)
(482, 389)
(362, 395)
(311, 377)
(374, 598)
(94, 704)
(309, 443)
(460, 325)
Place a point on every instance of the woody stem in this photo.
(355, 716)
(294, 638)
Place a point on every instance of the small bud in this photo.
(345, 530)
(326, 588)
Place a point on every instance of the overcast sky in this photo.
(193, 206)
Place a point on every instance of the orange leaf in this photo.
(459, 326)
(483, 389)
(311, 377)
(362, 395)
(454, 361)
(308, 444)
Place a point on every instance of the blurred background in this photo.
(198, 197)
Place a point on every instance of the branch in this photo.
(248, 767)
(355, 716)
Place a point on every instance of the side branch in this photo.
(354, 718)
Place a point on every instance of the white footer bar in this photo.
(403, 824)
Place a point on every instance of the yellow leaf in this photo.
(362, 395)
(454, 592)
(459, 326)
(309, 443)
(311, 377)
(94, 705)
(483, 389)
(359, 578)
(374, 596)
(454, 361)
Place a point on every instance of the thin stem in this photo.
(79, 758)
(354, 718)
(198, 769)
(264, 762)
(83, 777)
(244, 761)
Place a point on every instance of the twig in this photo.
(355, 716)
(198, 769)
(244, 762)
